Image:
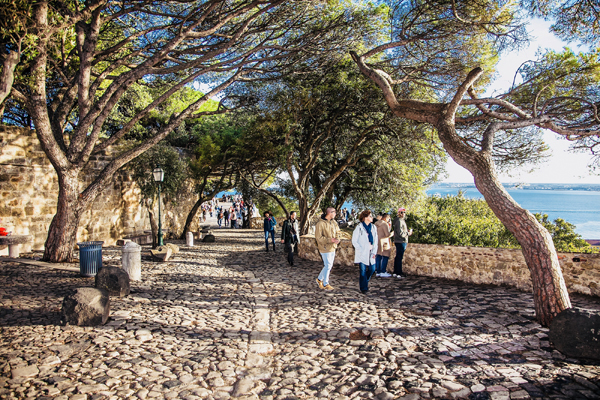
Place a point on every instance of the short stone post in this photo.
(189, 239)
(131, 260)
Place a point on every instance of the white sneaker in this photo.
(385, 275)
(400, 276)
(377, 274)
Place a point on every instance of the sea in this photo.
(579, 207)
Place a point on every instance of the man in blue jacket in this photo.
(269, 225)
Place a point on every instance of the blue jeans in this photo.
(400, 249)
(366, 271)
(381, 263)
(327, 265)
(272, 233)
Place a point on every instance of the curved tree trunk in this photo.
(149, 203)
(550, 294)
(192, 214)
(62, 233)
(304, 220)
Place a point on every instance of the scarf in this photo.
(368, 229)
(292, 230)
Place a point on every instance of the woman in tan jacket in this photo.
(384, 248)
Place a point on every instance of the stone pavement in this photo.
(227, 320)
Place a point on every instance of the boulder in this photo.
(576, 333)
(114, 280)
(210, 238)
(86, 307)
(162, 253)
(173, 247)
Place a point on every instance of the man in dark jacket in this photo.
(289, 236)
(226, 217)
(269, 226)
(401, 234)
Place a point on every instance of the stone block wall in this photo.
(29, 192)
(478, 265)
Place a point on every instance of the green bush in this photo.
(458, 221)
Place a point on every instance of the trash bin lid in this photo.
(93, 243)
(132, 245)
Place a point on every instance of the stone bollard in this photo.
(86, 307)
(131, 260)
(189, 239)
(114, 280)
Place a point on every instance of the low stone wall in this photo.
(478, 265)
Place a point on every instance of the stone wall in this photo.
(479, 265)
(29, 192)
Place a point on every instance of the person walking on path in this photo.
(269, 226)
(384, 248)
(233, 216)
(327, 234)
(226, 217)
(289, 236)
(401, 234)
(365, 240)
(220, 219)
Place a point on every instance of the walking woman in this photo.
(269, 227)
(384, 248)
(364, 240)
(289, 236)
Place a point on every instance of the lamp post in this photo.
(159, 175)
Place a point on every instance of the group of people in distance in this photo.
(372, 240)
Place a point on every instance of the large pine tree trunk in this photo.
(550, 294)
(62, 233)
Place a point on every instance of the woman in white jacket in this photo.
(364, 240)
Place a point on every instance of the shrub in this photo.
(458, 221)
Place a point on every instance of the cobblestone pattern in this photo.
(478, 265)
(227, 320)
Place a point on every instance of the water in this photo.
(579, 207)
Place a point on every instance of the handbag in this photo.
(385, 243)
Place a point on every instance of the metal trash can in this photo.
(90, 257)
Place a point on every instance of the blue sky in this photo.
(563, 166)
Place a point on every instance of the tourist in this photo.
(220, 219)
(269, 226)
(226, 217)
(364, 240)
(401, 234)
(204, 214)
(233, 216)
(384, 247)
(289, 236)
(327, 234)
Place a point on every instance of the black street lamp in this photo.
(159, 175)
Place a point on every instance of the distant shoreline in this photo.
(595, 187)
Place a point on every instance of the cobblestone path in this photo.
(227, 320)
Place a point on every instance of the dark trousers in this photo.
(272, 233)
(289, 249)
(366, 272)
(400, 249)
